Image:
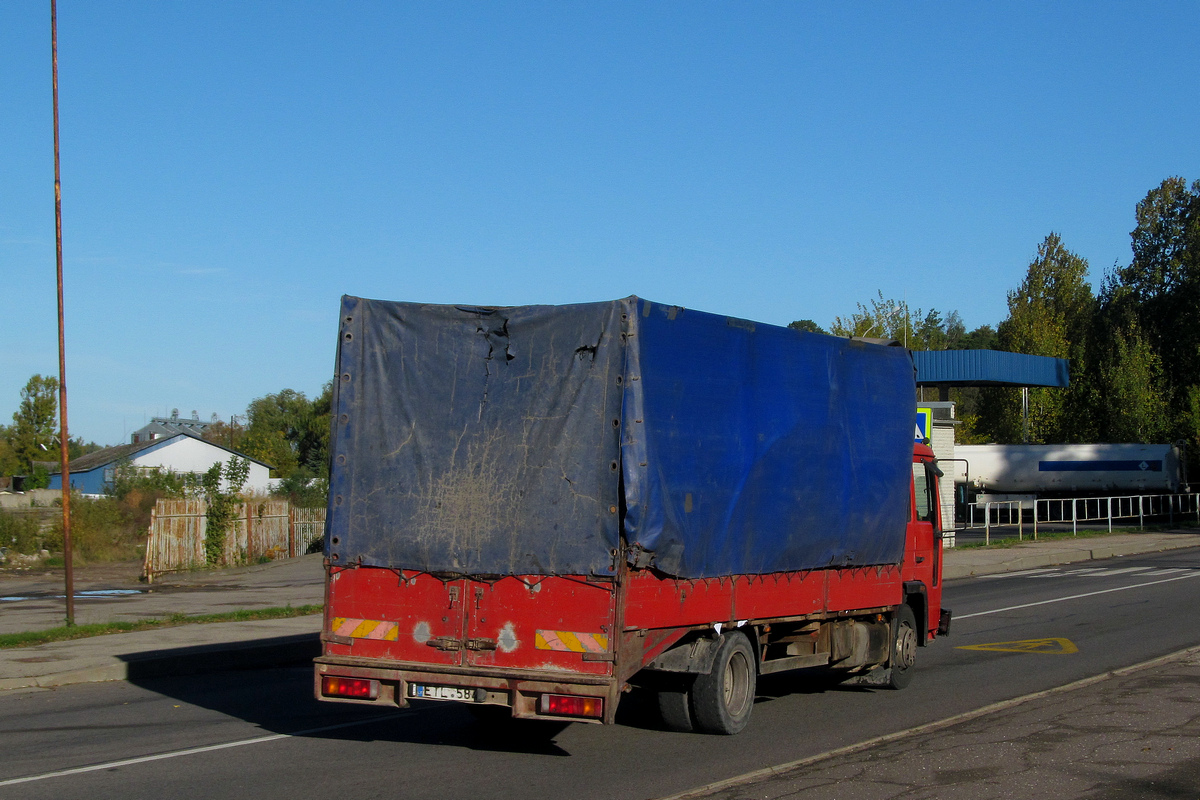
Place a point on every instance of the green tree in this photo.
(32, 434)
(1160, 292)
(291, 433)
(227, 434)
(1049, 314)
(10, 463)
(1134, 406)
(982, 338)
(894, 319)
(806, 326)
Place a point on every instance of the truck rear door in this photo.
(539, 622)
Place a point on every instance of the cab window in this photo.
(924, 494)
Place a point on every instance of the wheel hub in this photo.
(906, 647)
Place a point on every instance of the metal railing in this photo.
(1082, 510)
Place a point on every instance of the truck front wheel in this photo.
(723, 699)
(903, 653)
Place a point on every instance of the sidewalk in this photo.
(967, 561)
(226, 645)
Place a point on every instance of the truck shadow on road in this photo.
(240, 684)
(280, 700)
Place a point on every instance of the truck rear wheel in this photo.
(674, 704)
(723, 699)
(903, 654)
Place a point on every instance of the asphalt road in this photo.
(260, 734)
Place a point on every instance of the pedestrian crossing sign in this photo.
(924, 424)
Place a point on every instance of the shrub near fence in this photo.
(271, 529)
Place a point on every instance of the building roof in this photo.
(989, 368)
(159, 427)
(110, 455)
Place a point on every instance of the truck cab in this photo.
(922, 567)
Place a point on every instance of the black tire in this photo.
(674, 704)
(903, 653)
(723, 699)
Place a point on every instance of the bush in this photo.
(103, 530)
(303, 490)
(128, 480)
(39, 479)
(19, 532)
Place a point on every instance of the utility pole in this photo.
(63, 440)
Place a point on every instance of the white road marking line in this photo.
(1089, 571)
(191, 751)
(1167, 571)
(1076, 596)
(1017, 574)
(1126, 570)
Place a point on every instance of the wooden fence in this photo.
(271, 529)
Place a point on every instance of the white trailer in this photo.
(1072, 469)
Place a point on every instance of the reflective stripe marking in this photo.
(571, 642)
(365, 628)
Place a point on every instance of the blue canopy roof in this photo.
(989, 368)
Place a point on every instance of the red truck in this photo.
(538, 508)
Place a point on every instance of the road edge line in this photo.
(928, 727)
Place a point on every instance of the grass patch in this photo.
(64, 633)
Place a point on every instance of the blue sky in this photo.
(230, 169)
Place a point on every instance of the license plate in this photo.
(425, 692)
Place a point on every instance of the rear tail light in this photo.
(566, 705)
(357, 688)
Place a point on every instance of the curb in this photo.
(259, 654)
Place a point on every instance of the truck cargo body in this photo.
(533, 508)
(1067, 470)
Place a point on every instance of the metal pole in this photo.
(1025, 415)
(1035, 502)
(63, 440)
(1074, 517)
(1108, 502)
(987, 523)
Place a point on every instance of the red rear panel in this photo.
(543, 623)
(395, 616)
(532, 622)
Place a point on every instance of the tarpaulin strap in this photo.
(569, 642)
(365, 628)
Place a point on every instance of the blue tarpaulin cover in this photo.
(525, 440)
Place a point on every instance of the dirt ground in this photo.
(108, 574)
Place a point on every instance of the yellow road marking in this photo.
(1053, 647)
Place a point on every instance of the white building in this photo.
(179, 453)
